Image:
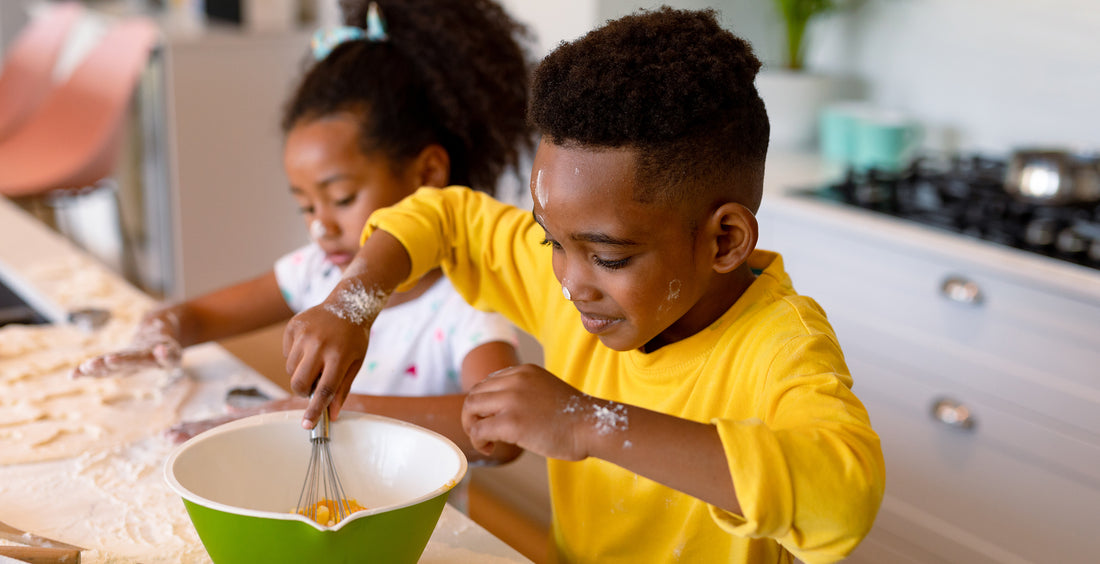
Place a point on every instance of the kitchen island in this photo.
(110, 497)
(978, 365)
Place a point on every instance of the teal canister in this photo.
(885, 141)
(838, 125)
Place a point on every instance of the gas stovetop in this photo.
(966, 195)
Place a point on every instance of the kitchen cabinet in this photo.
(227, 200)
(980, 368)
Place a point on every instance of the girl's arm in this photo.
(162, 333)
(443, 414)
(230, 311)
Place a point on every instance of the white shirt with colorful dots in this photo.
(416, 348)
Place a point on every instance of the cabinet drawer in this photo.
(1006, 490)
(1019, 342)
(1022, 484)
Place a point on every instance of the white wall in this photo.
(1001, 72)
(985, 75)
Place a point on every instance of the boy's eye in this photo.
(550, 243)
(610, 264)
(305, 210)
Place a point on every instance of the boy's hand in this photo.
(530, 407)
(324, 351)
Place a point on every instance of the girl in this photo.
(433, 96)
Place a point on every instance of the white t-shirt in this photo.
(416, 348)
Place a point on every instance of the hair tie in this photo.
(325, 40)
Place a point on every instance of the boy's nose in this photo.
(575, 289)
(573, 279)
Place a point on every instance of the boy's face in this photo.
(336, 185)
(634, 271)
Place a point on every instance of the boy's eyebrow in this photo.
(592, 237)
(602, 239)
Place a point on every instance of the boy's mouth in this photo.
(597, 324)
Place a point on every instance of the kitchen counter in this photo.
(787, 173)
(114, 501)
(976, 362)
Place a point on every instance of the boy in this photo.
(693, 406)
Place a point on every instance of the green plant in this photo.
(797, 15)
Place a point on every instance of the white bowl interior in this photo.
(259, 463)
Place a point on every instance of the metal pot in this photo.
(1053, 177)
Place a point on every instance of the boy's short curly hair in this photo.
(671, 85)
(453, 72)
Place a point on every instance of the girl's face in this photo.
(336, 185)
(636, 272)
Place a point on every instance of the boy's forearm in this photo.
(324, 345)
(381, 264)
(684, 455)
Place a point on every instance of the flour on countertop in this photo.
(47, 415)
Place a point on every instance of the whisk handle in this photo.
(319, 432)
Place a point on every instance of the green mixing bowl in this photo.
(240, 484)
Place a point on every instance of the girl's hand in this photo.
(530, 407)
(155, 345)
(183, 431)
(325, 345)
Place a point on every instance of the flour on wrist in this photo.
(356, 304)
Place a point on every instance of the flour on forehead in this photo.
(540, 190)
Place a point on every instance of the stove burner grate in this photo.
(966, 195)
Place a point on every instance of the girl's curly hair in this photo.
(453, 72)
(671, 85)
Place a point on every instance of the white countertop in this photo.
(114, 502)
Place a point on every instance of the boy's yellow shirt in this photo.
(805, 463)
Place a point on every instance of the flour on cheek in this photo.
(356, 304)
(673, 295)
(673, 290)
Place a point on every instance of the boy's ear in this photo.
(433, 166)
(734, 229)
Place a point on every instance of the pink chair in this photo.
(71, 143)
(27, 72)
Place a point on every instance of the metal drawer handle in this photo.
(952, 413)
(961, 290)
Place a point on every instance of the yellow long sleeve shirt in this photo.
(769, 374)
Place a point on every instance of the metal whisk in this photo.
(322, 497)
